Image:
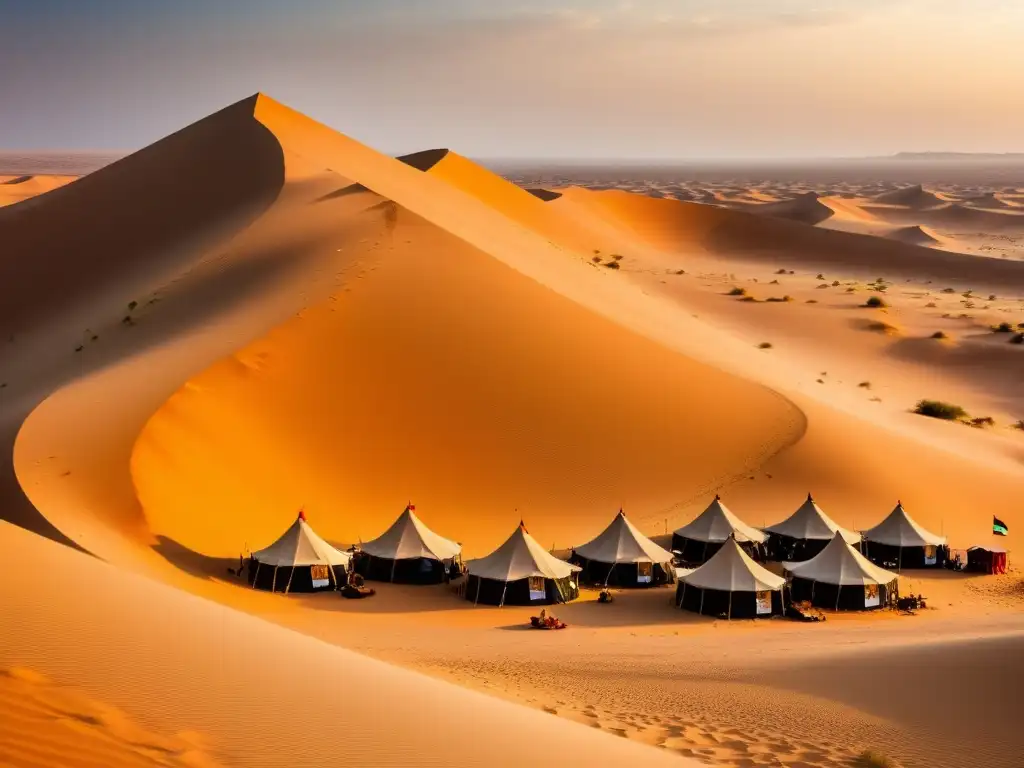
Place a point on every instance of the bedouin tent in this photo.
(730, 584)
(299, 561)
(700, 539)
(521, 572)
(840, 577)
(408, 553)
(899, 542)
(621, 556)
(986, 559)
(805, 533)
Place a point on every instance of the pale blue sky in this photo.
(528, 78)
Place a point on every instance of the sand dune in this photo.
(915, 235)
(806, 209)
(14, 189)
(912, 197)
(285, 317)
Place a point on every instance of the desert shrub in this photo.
(1017, 338)
(875, 302)
(835, 283)
(823, 285)
(79, 348)
(870, 759)
(596, 259)
(949, 290)
(680, 271)
(820, 277)
(774, 282)
(851, 290)
(127, 320)
(1002, 328)
(779, 299)
(991, 297)
(937, 409)
(812, 301)
(879, 327)
(780, 271)
(765, 345)
(132, 305)
(1019, 425)
(612, 264)
(748, 298)
(738, 292)
(930, 305)
(865, 385)
(983, 421)
(940, 335)
(616, 257)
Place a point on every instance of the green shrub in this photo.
(875, 302)
(937, 409)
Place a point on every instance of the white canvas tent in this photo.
(839, 566)
(300, 549)
(805, 533)
(731, 578)
(517, 571)
(710, 529)
(623, 556)
(408, 551)
(900, 540)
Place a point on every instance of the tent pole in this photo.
(273, 582)
(702, 591)
(899, 566)
(289, 584)
(257, 574)
(728, 614)
(704, 557)
(479, 581)
(812, 591)
(394, 564)
(609, 576)
(683, 598)
(502, 603)
(839, 591)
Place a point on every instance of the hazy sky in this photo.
(528, 78)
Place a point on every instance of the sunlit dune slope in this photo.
(442, 375)
(913, 197)
(676, 225)
(14, 189)
(99, 667)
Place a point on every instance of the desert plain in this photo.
(258, 314)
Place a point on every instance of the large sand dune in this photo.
(283, 317)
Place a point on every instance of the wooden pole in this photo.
(289, 584)
(702, 591)
(257, 574)
(683, 598)
(394, 564)
(728, 613)
(273, 582)
(479, 581)
(503, 590)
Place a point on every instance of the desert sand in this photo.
(283, 318)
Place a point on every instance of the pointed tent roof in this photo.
(621, 542)
(300, 545)
(841, 565)
(409, 538)
(809, 522)
(519, 557)
(732, 570)
(900, 530)
(716, 524)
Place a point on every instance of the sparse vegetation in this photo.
(875, 302)
(991, 297)
(127, 320)
(764, 345)
(870, 759)
(823, 285)
(819, 277)
(680, 271)
(812, 301)
(835, 283)
(612, 264)
(738, 292)
(937, 409)
(851, 290)
(774, 282)
(880, 327)
(1017, 338)
(1003, 328)
(949, 290)
(983, 421)
(940, 335)
(780, 271)
(1019, 425)
(616, 257)
(132, 305)
(779, 299)
(79, 348)
(930, 305)
(865, 385)
(596, 259)
(748, 298)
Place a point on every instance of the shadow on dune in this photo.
(421, 161)
(196, 564)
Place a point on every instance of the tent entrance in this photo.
(320, 576)
(644, 573)
(537, 590)
(872, 598)
(764, 603)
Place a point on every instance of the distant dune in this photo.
(806, 209)
(912, 197)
